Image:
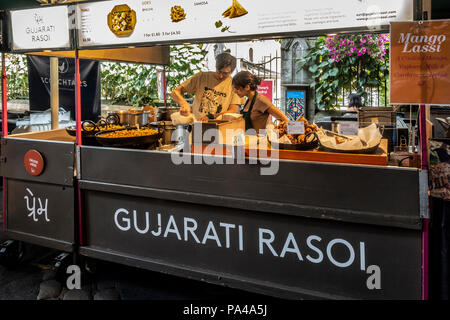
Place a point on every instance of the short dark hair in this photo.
(243, 78)
(354, 100)
(224, 60)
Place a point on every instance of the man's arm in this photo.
(177, 96)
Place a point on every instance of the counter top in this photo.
(254, 149)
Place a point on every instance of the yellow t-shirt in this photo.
(211, 95)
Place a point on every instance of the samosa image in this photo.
(236, 10)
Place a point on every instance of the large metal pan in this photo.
(128, 142)
(90, 129)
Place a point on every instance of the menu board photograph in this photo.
(146, 21)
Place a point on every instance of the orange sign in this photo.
(34, 162)
(420, 68)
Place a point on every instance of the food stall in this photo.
(39, 168)
(293, 228)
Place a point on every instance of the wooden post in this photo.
(54, 92)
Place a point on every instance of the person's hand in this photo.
(185, 110)
(203, 119)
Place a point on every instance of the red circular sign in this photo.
(34, 162)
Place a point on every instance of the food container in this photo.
(164, 113)
(226, 134)
(169, 132)
(132, 118)
(151, 112)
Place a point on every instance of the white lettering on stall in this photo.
(241, 238)
(227, 227)
(126, 220)
(265, 241)
(319, 259)
(207, 236)
(230, 235)
(171, 229)
(350, 248)
(158, 233)
(267, 238)
(147, 223)
(31, 206)
(191, 230)
(290, 239)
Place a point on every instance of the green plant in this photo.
(121, 83)
(185, 61)
(136, 84)
(17, 76)
(129, 84)
(352, 63)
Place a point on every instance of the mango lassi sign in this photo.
(420, 69)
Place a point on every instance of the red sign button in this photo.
(34, 162)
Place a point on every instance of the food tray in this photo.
(354, 151)
(297, 146)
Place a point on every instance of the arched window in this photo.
(250, 54)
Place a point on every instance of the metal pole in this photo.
(4, 99)
(424, 166)
(54, 92)
(276, 78)
(378, 88)
(425, 14)
(270, 66)
(164, 86)
(78, 141)
(77, 99)
(4, 131)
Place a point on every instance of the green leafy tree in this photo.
(185, 61)
(17, 76)
(352, 63)
(136, 84)
(121, 83)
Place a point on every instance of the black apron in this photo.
(246, 114)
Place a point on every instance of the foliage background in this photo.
(342, 64)
(121, 83)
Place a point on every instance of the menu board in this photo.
(145, 21)
(41, 28)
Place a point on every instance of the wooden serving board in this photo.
(379, 158)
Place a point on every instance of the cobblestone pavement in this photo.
(32, 279)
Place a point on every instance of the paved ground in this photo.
(34, 279)
(110, 282)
